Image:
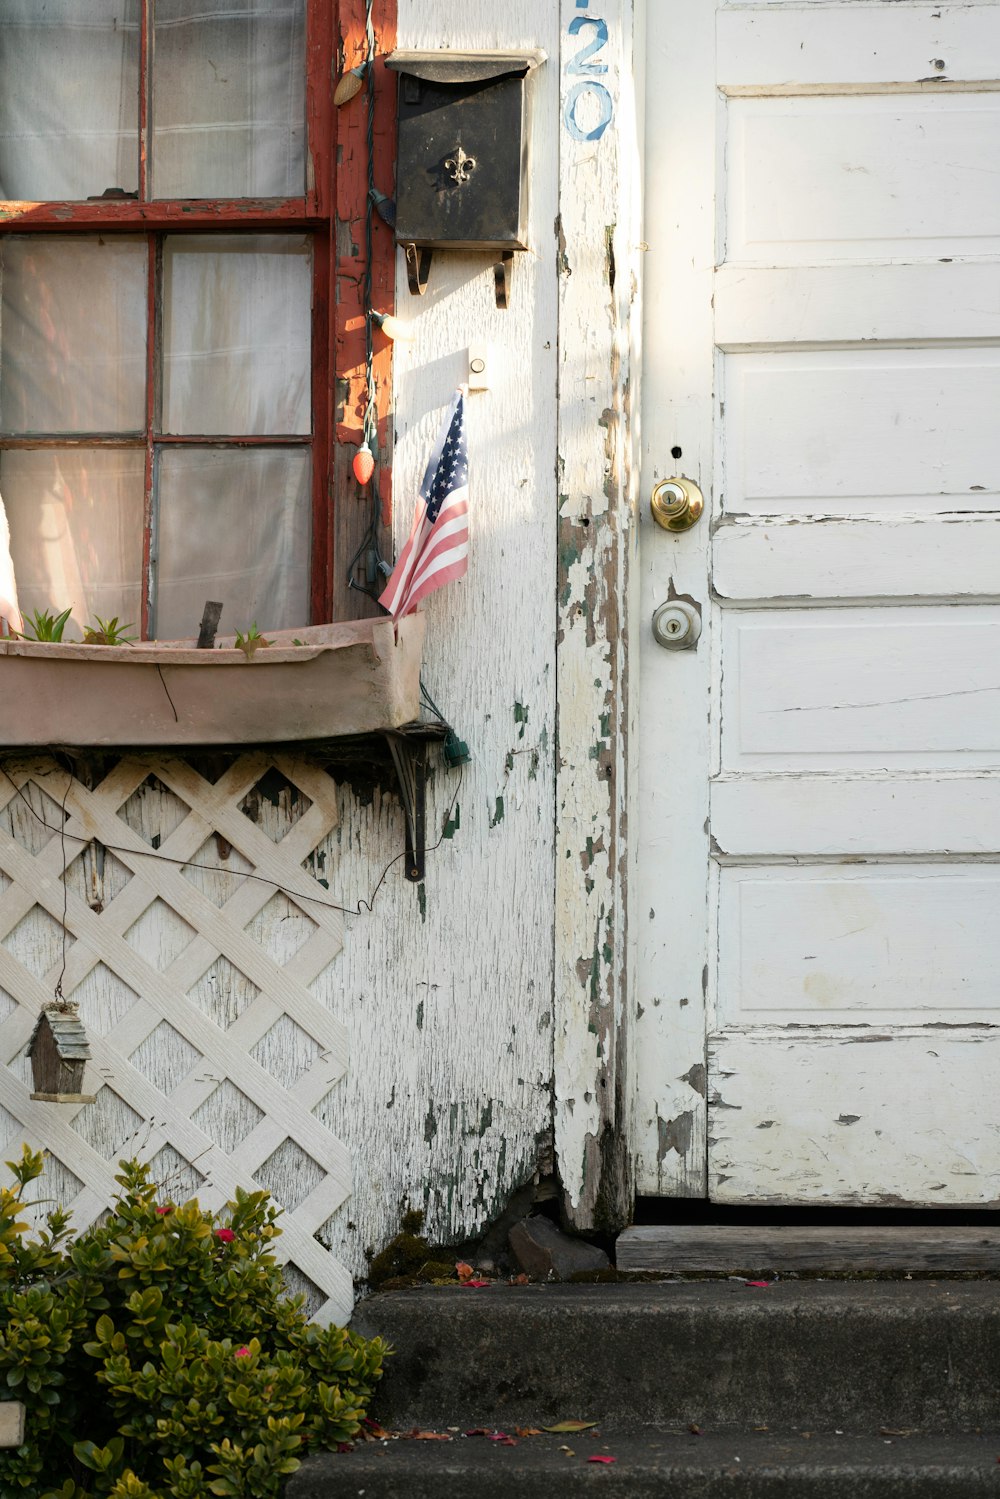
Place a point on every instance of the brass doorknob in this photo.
(677, 504)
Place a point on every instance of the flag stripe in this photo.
(437, 549)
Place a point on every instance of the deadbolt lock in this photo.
(677, 504)
(677, 625)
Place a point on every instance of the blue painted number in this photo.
(606, 107)
(588, 88)
(578, 64)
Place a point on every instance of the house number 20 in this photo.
(593, 31)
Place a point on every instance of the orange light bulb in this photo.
(364, 464)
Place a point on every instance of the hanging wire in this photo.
(57, 992)
(371, 412)
(362, 907)
(369, 548)
(456, 752)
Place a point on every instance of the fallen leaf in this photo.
(478, 1431)
(498, 1436)
(520, 1280)
(428, 1436)
(527, 1431)
(561, 1426)
(464, 1271)
(568, 1451)
(597, 1458)
(762, 1285)
(373, 1432)
(896, 1431)
(475, 1285)
(694, 1429)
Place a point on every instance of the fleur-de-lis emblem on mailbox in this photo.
(459, 166)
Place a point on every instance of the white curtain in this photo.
(228, 99)
(237, 313)
(72, 334)
(232, 524)
(10, 614)
(69, 98)
(76, 530)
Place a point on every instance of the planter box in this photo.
(356, 678)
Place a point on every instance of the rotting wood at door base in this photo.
(697, 1249)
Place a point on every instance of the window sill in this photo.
(345, 679)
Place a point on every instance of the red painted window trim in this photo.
(334, 200)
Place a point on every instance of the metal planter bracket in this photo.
(409, 748)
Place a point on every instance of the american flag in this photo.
(437, 548)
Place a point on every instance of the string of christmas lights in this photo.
(364, 463)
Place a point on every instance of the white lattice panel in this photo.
(192, 951)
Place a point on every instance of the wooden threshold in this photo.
(700, 1249)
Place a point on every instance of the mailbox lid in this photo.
(464, 67)
(462, 178)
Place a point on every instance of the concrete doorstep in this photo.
(660, 1465)
(821, 1390)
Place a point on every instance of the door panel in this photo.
(846, 177)
(878, 689)
(857, 559)
(816, 1122)
(820, 777)
(846, 816)
(886, 943)
(838, 431)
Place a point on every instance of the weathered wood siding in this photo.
(439, 1004)
(446, 991)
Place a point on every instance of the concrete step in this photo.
(660, 1464)
(921, 1356)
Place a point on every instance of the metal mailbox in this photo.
(462, 157)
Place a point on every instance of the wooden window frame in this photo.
(336, 178)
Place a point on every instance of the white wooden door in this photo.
(819, 894)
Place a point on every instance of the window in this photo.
(165, 257)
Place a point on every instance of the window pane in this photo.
(229, 99)
(69, 98)
(76, 530)
(236, 335)
(232, 524)
(72, 334)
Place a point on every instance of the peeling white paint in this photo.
(598, 300)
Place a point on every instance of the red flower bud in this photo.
(225, 1235)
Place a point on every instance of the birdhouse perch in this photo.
(59, 1053)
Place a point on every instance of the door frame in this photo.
(599, 228)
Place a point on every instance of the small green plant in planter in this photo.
(107, 632)
(46, 627)
(159, 1355)
(252, 641)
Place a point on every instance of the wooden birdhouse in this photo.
(59, 1053)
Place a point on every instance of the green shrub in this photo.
(159, 1355)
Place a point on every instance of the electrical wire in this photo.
(369, 546)
(363, 907)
